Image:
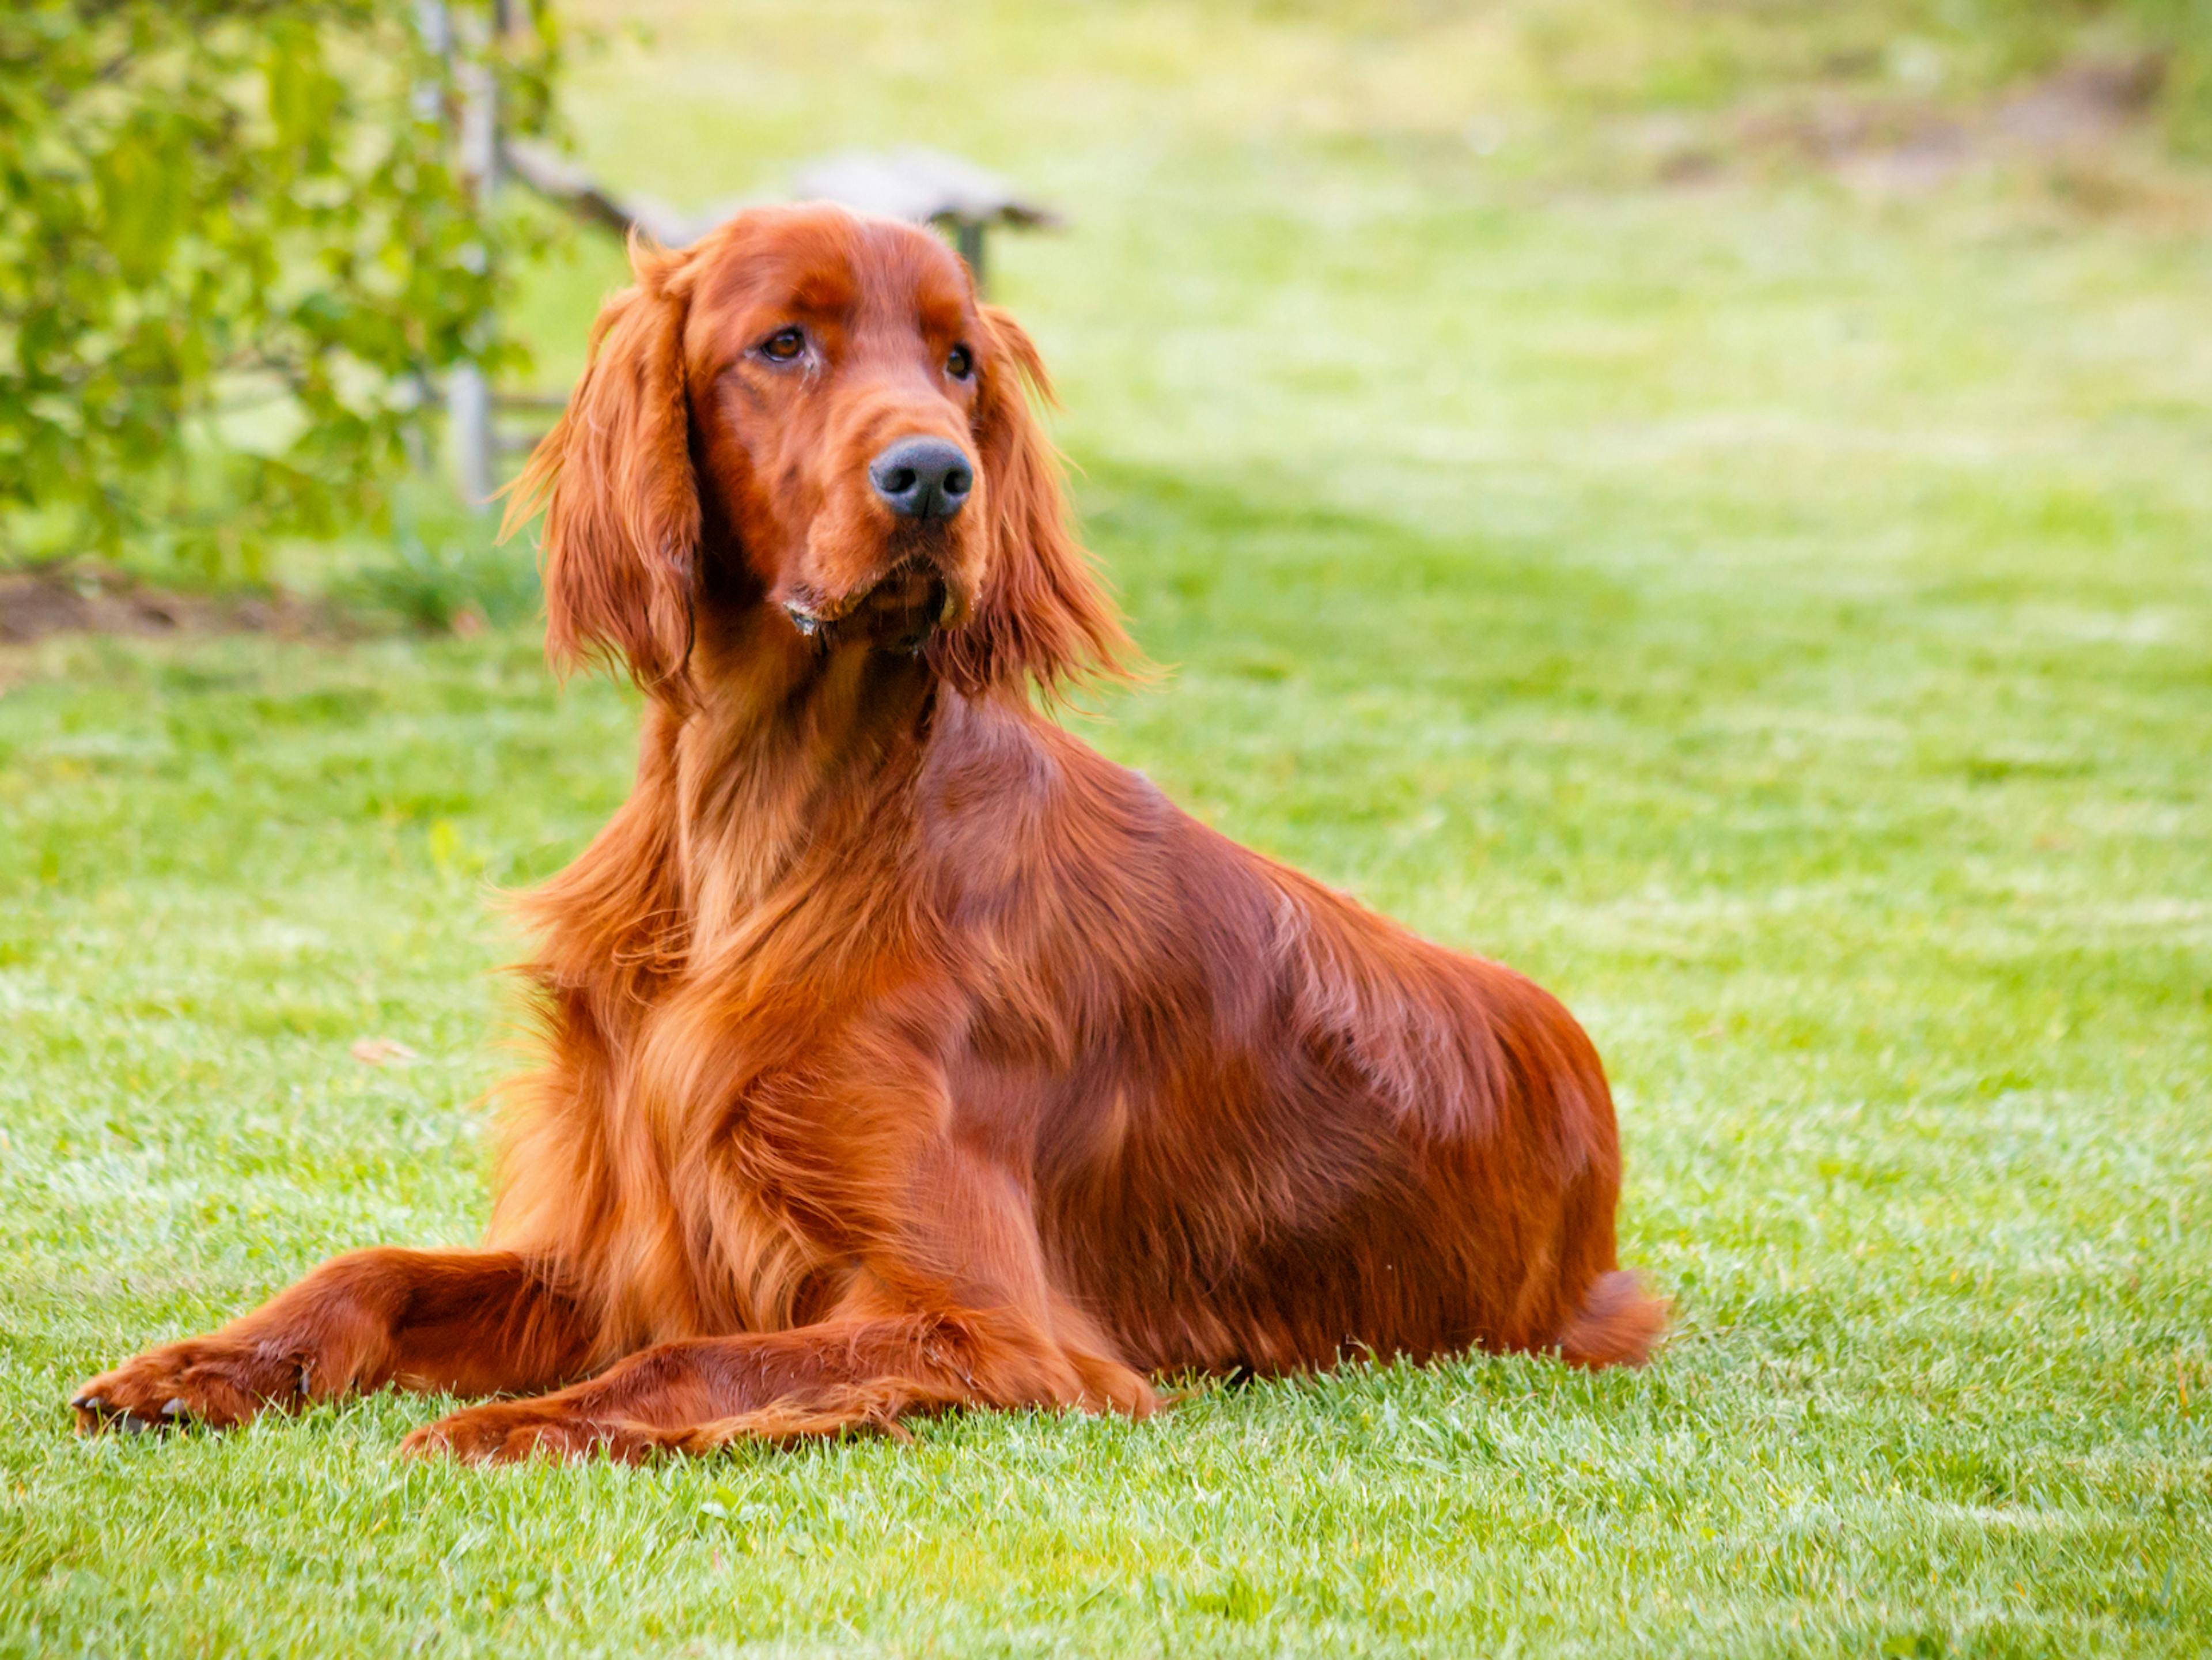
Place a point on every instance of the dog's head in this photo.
(810, 413)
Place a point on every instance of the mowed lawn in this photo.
(1780, 620)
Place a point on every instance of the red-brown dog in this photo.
(902, 1052)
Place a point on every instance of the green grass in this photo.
(1780, 622)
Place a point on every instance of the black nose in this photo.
(922, 477)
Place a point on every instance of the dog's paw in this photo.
(204, 1380)
(509, 1432)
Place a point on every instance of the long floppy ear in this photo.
(620, 542)
(1042, 618)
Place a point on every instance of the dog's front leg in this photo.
(466, 1322)
(820, 1380)
(951, 1307)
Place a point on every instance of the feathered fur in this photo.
(900, 1052)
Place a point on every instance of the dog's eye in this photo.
(961, 363)
(783, 346)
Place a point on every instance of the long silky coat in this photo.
(900, 1052)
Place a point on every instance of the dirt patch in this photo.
(1902, 145)
(2084, 102)
(82, 598)
(2076, 111)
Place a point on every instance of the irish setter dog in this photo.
(901, 1053)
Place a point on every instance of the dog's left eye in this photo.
(961, 363)
(783, 346)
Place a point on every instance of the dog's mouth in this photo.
(900, 612)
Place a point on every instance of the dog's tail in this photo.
(1616, 1325)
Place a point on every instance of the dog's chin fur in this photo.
(904, 610)
(900, 613)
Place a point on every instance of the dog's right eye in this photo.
(783, 346)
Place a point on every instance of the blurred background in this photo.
(1708, 501)
(1474, 266)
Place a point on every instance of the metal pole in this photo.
(968, 234)
(468, 391)
(436, 30)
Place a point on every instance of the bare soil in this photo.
(81, 598)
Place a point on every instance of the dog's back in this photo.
(1269, 1129)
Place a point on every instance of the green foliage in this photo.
(2183, 28)
(233, 245)
(439, 569)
